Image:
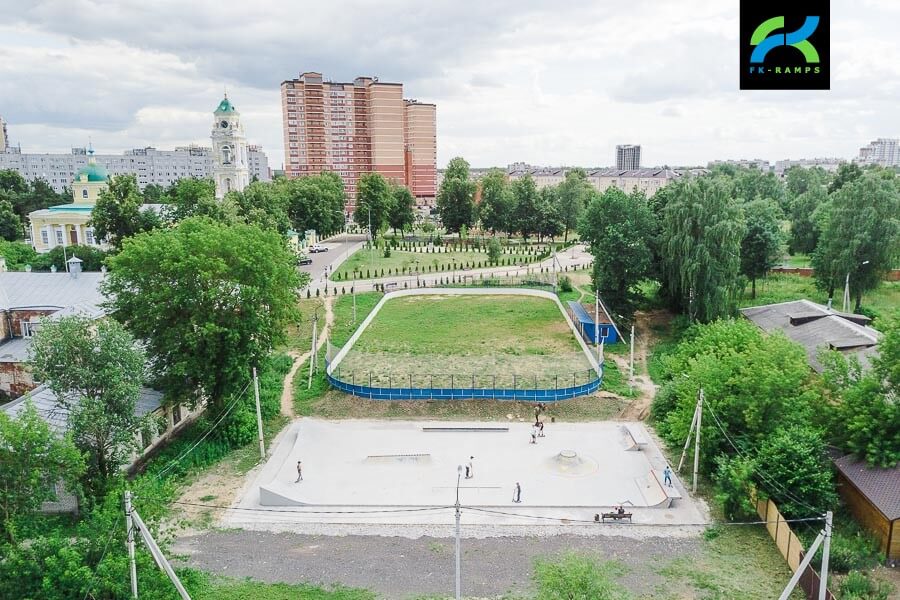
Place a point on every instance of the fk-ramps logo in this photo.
(785, 45)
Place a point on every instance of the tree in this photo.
(27, 197)
(92, 258)
(618, 228)
(210, 300)
(525, 216)
(10, 224)
(761, 246)
(117, 214)
(574, 193)
(846, 173)
(263, 204)
(455, 198)
(700, 245)
(861, 235)
(315, 202)
(751, 184)
(374, 201)
(96, 371)
(799, 180)
(549, 222)
(494, 251)
(401, 215)
(804, 226)
(17, 255)
(33, 458)
(193, 197)
(496, 201)
(154, 194)
(795, 457)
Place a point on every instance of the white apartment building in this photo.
(829, 164)
(161, 167)
(4, 137)
(883, 151)
(744, 163)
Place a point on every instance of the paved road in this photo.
(339, 248)
(399, 568)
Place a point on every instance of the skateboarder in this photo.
(299, 472)
(534, 433)
(541, 429)
(470, 468)
(517, 493)
(667, 476)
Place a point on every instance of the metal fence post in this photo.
(370, 378)
(514, 381)
(410, 381)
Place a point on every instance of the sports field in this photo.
(493, 341)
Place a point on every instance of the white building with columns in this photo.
(231, 170)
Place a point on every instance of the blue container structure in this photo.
(585, 325)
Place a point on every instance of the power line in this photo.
(777, 486)
(205, 435)
(112, 534)
(295, 512)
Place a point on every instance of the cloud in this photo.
(513, 80)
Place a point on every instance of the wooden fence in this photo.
(789, 545)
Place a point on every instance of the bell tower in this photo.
(229, 146)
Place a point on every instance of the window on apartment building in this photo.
(59, 237)
(45, 237)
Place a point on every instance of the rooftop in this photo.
(815, 326)
(56, 415)
(880, 486)
(19, 290)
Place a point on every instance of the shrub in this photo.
(387, 251)
(308, 294)
(565, 284)
(858, 586)
(573, 576)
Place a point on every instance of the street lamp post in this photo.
(417, 272)
(459, 471)
(454, 270)
(846, 304)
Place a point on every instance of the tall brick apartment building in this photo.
(354, 128)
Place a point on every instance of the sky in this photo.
(547, 83)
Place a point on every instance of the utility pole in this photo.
(458, 584)
(353, 292)
(631, 362)
(129, 523)
(312, 354)
(597, 327)
(687, 442)
(823, 576)
(697, 443)
(805, 563)
(262, 446)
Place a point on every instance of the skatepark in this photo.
(407, 472)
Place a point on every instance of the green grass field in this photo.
(374, 262)
(501, 341)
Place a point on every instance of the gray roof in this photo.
(880, 486)
(14, 350)
(20, 290)
(814, 326)
(55, 415)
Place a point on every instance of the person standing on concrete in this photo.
(534, 432)
(517, 493)
(299, 472)
(470, 468)
(541, 429)
(667, 476)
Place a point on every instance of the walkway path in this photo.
(578, 257)
(287, 392)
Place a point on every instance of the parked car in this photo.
(304, 260)
(318, 248)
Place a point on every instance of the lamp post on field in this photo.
(417, 272)
(846, 305)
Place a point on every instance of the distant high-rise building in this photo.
(883, 151)
(3, 136)
(354, 128)
(628, 157)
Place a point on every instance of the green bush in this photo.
(858, 586)
(852, 549)
(576, 577)
(17, 255)
(565, 284)
(387, 251)
(92, 258)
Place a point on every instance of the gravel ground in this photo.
(401, 568)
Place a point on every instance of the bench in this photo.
(390, 286)
(615, 516)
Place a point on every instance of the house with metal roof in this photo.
(56, 414)
(25, 299)
(816, 327)
(873, 496)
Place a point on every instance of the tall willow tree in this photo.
(701, 244)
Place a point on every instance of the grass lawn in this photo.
(796, 261)
(203, 586)
(446, 341)
(321, 401)
(372, 263)
(884, 300)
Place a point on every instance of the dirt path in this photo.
(287, 391)
(639, 408)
